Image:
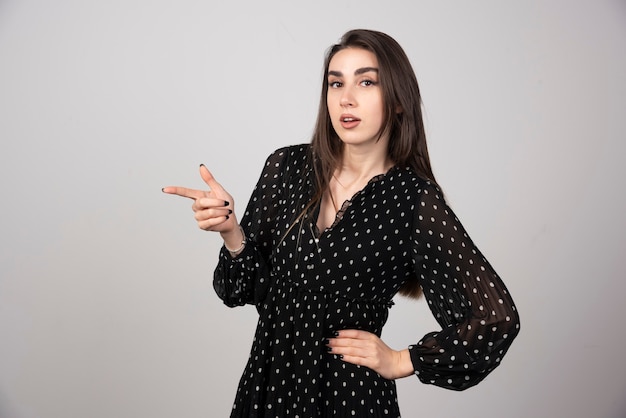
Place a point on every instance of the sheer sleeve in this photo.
(468, 299)
(245, 278)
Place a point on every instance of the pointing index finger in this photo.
(184, 192)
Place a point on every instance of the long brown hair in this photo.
(407, 139)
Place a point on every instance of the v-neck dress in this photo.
(306, 284)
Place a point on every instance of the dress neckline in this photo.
(346, 204)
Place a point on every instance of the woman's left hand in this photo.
(366, 349)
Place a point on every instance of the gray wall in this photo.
(106, 302)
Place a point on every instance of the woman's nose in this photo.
(347, 98)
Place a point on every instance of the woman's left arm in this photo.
(468, 299)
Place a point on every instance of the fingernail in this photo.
(163, 189)
(340, 356)
(336, 333)
(230, 211)
(326, 341)
(227, 216)
(226, 203)
(201, 165)
(329, 349)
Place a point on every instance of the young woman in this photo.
(333, 230)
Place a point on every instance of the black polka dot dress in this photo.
(306, 284)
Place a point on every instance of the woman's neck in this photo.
(358, 164)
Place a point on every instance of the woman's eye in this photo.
(368, 83)
(334, 84)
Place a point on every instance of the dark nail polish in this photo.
(329, 349)
(227, 216)
(230, 211)
(201, 165)
(326, 341)
(341, 356)
(336, 333)
(163, 189)
(226, 203)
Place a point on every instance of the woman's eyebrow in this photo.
(358, 71)
(365, 70)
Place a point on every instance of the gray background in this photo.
(106, 302)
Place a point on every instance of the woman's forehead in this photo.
(351, 59)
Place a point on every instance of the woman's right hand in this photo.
(214, 210)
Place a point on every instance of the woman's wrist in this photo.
(234, 240)
(405, 364)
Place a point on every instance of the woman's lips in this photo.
(349, 121)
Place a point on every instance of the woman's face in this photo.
(354, 98)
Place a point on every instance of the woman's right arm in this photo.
(242, 273)
(243, 278)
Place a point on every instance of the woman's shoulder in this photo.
(413, 181)
(289, 156)
(291, 151)
(415, 188)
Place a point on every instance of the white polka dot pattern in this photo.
(307, 284)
